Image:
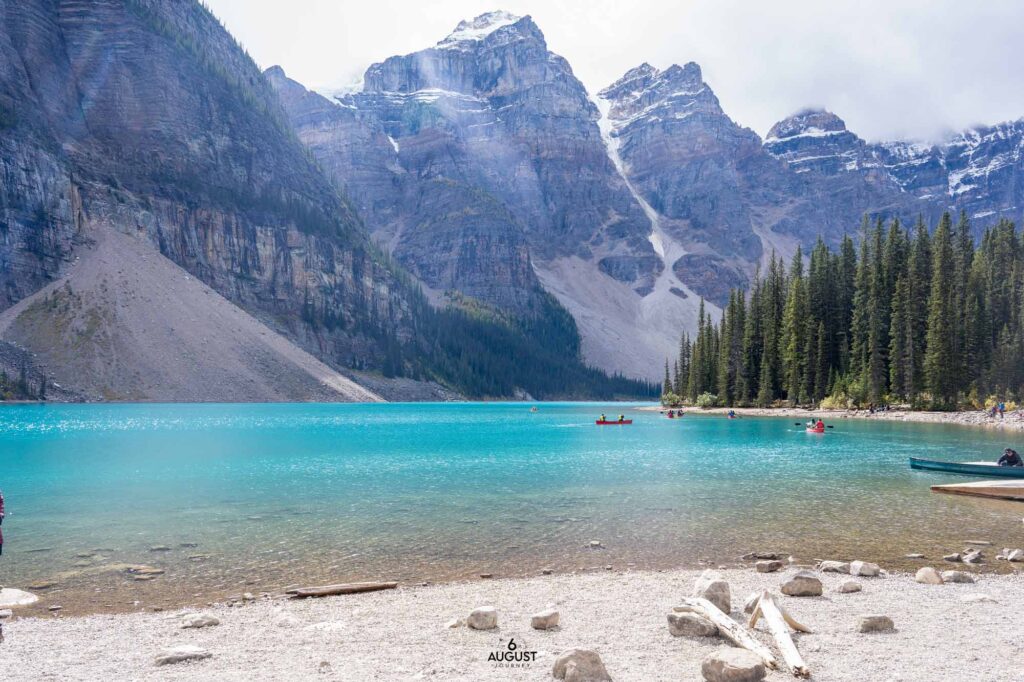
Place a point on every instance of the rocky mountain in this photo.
(484, 167)
(481, 167)
(167, 236)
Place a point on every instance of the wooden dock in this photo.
(1002, 490)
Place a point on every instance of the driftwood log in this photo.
(777, 619)
(730, 629)
(343, 588)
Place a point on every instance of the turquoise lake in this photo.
(256, 497)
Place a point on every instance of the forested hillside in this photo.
(902, 315)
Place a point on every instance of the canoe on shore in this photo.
(967, 468)
(1002, 490)
(616, 422)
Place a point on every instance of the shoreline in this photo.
(1013, 421)
(403, 633)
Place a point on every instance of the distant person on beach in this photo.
(1010, 458)
(1002, 410)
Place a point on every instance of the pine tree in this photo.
(941, 345)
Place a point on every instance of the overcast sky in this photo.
(916, 70)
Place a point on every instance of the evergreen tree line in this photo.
(929, 319)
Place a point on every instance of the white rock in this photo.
(10, 597)
(690, 625)
(751, 602)
(874, 624)
(803, 584)
(850, 586)
(957, 577)
(732, 665)
(769, 566)
(972, 557)
(180, 654)
(5, 614)
(456, 623)
(834, 567)
(580, 665)
(483, 618)
(710, 586)
(928, 576)
(199, 620)
(1016, 555)
(864, 568)
(544, 620)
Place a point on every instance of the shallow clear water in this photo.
(277, 494)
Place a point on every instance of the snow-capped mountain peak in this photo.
(478, 28)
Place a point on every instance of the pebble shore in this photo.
(943, 631)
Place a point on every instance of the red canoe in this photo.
(613, 423)
(815, 430)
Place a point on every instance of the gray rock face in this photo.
(147, 118)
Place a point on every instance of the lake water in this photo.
(257, 497)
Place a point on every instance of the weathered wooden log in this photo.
(730, 629)
(776, 618)
(343, 588)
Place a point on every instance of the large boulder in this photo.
(732, 665)
(580, 665)
(483, 618)
(690, 625)
(834, 567)
(928, 576)
(803, 584)
(180, 654)
(712, 587)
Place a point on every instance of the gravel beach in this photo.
(949, 631)
(1012, 421)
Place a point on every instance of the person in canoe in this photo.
(1010, 458)
(731, 414)
(622, 418)
(671, 414)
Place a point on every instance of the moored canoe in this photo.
(967, 468)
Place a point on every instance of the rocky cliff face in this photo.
(146, 116)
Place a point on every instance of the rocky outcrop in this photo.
(147, 118)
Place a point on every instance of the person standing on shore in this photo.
(1002, 409)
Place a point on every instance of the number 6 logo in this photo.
(512, 646)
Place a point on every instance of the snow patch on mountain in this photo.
(473, 30)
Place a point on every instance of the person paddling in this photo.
(622, 418)
(1010, 458)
